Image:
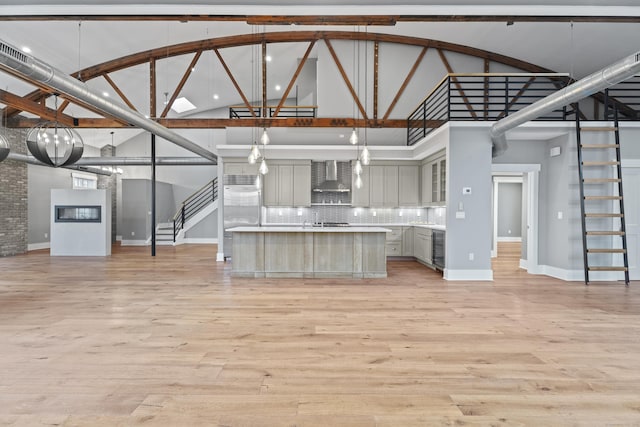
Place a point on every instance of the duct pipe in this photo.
(600, 80)
(33, 161)
(35, 69)
(144, 161)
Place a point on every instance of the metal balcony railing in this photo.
(286, 111)
(482, 96)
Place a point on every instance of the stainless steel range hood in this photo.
(331, 184)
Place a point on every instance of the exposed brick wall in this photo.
(110, 183)
(13, 197)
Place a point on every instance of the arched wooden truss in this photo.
(34, 102)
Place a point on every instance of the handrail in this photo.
(193, 204)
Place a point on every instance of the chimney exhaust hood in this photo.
(331, 183)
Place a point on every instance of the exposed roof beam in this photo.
(327, 20)
(219, 123)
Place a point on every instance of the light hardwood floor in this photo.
(175, 341)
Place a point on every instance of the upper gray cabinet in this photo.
(434, 180)
(287, 185)
(408, 185)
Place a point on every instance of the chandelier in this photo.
(53, 143)
(254, 154)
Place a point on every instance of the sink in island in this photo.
(338, 252)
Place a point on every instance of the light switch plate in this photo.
(466, 190)
(460, 215)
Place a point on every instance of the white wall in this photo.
(81, 238)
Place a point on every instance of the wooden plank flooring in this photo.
(175, 341)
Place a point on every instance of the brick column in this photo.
(110, 182)
(13, 197)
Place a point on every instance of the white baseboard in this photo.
(198, 241)
(578, 275)
(509, 239)
(468, 275)
(524, 264)
(38, 246)
(220, 257)
(134, 243)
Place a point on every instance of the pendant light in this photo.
(365, 156)
(353, 139)
(358, 182)
(264, 139)
(357, 169)
(264, 169)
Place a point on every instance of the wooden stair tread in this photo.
(600, 180)
(603, 215)
(605, 233)
(599, 129)
(607, 163)
(603, 197)
(607, 268)
(591, 146)
(606, 251)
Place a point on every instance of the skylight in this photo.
(182, 105)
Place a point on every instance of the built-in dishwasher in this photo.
(438, 249)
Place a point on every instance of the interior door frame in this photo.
(497, 180)
(635, 165)
(532, 171)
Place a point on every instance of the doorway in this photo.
(631, 180)
(527, 177)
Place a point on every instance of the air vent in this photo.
(12, 53)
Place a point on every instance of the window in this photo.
(82, 181)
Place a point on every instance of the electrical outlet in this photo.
(133, 233)
(471, 256)
(46, 235)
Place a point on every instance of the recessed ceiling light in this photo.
(268, 58)
(105, 94)
(216, 96)
(182, 105)
(26, 49)
(278, 87)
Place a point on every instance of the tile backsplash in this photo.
(354, 215)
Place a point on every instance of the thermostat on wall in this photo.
(466, 190)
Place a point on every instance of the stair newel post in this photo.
(174, 231)
(182, 216)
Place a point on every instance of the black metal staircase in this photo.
(600, 180)
(194, 204)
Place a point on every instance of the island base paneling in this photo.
(309, 254)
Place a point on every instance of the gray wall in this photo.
(205, 229)
(136, 207)
(469, 165)
(509, 209)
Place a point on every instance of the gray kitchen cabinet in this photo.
(302, 185)
(394, 241)
(376, 186)
(360, 196)
(383, 191)
(408, 185)
(426, 184)
(423, 245)
(434, 182)
(407, 241)
(287, 185)
(240, 168)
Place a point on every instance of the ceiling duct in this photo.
(600, 80)
(34, 69)
(33, 161)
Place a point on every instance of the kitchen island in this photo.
(322, 252)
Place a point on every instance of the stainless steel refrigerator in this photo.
(241, 206)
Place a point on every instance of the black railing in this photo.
(626, 97)
(472, 97)
(294, 111)
(194, 204)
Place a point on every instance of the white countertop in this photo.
(355, 225)
(300, 229)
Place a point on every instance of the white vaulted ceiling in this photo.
(578, 48)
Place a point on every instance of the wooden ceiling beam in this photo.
(294, 78)
(219, 123)
(407, 79)
(327, 20)
(119, 92)
(38, 109)
(346, 79)
(235, 83)
(458, 85)
(181, 84)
